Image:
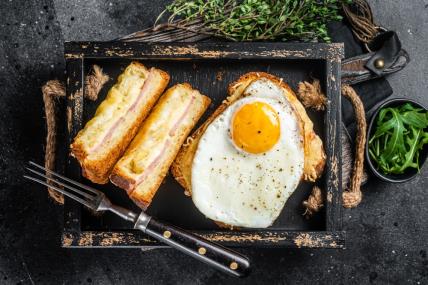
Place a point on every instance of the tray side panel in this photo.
(128, 239)
(74, 93)
(205, 50)
(333, 170)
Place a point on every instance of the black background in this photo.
(387, 233)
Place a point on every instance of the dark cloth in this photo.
(371, 92)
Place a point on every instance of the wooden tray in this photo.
(209, 67)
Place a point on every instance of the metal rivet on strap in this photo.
(167, 234)
(202, 250)
(379, 63)
(233, 265)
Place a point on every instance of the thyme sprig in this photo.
(256, 20)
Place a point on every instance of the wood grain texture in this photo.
(74, 94)
(333, 171)
(248, 50)
(262, 239)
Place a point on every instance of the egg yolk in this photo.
(255, 127)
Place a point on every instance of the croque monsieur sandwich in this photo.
(103, 140)
(245, 161)
(147, 160)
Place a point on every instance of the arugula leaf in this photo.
(415, 119)
(396, 142)
(413, 142)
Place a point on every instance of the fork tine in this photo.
(87, 195)
(65, 178)
(66, 193)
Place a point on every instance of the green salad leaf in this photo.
(401, 132)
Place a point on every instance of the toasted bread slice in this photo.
(102, 141)
(147, 160)
(313, 147)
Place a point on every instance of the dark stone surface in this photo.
(387, 233)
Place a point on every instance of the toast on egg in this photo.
(313, 148)
(102, 141)
(147, 160)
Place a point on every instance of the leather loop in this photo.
(354, 69)
(387, 47)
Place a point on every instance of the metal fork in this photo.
(222, 258)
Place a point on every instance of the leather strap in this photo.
(385, 56)
(356, 69)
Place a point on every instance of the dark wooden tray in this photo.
(209, 67)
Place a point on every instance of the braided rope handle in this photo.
(52, 91)
(352, 196)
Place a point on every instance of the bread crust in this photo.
(142, 191)
(97, 168)
(314, 163)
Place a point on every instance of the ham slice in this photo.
(148, 84)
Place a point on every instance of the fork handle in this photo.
(217, 256)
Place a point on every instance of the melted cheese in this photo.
(114, 109)
(149, 145)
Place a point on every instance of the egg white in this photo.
(243, 189)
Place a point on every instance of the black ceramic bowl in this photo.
(410, 172)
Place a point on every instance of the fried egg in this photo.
(250, 159)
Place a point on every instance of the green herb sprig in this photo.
(401, 132)
(257, 20)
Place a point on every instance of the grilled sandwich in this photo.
(104, 139)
